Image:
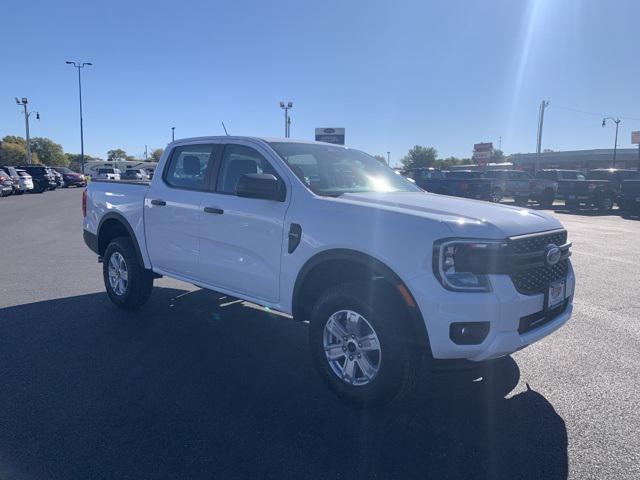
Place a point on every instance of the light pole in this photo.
(23, 102)
(543, 106)
(389, 158)
(287, 120)
(80, 66)
(615, 143)
(173, 134)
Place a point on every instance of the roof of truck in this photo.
(247, 137)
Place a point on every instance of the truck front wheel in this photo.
(127, 282)
(359, 342)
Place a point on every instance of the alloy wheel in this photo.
(118, 274)
(352, 347)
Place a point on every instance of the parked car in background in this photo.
(26, 182)
(15, 178)
(601, 188)
(43, 178)
(71, 178)
(512, 183)
(629, 199)
(6, 184)
(134, 174)
(108, 174)
(545, 187)
(59, 178)
(461, 183)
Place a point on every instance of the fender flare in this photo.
(125, 223)
(376, 267)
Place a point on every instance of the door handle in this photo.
(159, 203)
(217, 211)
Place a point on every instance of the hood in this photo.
(465, 217)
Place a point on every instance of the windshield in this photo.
(334, 170)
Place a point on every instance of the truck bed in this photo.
(123, 198)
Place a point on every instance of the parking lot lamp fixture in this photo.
(80, 66)
(23, 103)
(287, 120)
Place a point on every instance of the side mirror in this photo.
(260, 185)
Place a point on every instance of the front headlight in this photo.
(462, 265)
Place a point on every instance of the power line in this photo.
(595, 114)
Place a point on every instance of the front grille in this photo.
(537, 279)
(534, 280)
(535, 243)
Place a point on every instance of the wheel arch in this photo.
(328, 267)
(113, 225)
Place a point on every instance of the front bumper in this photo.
(503, 308)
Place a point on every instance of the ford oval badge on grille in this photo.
(553, 254)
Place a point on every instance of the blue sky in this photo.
(445, 74)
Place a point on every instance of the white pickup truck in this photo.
(385, 273)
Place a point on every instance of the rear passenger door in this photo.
(172, 208)
(241, 239)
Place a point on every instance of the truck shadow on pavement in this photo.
(197, 385)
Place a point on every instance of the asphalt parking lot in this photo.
(196, 385)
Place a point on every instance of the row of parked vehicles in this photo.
(129, 174)
(16, 180)
(599, 188)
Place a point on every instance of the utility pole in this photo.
(145, 153)
(23, 103)
(615, 143)
(389, 158)
(543, 105)
(500, 142)
(287, 120)
(80, 66)
(173, 134)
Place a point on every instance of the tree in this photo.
(49, 152)
(497, 156)
(74, 160)
(381, 158)
(15, 139)
(449, 161)
(156, 154)
(12, 154)
(117, 155)
(420, 156)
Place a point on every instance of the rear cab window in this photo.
(189, 166)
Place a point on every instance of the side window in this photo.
(188, 166)
(237, 161)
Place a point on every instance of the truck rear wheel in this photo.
(127, 282)
(359, 343)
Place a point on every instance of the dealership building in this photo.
(578, 159)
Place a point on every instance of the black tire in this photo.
(496, 195)
(139, 280)
(572, 206)
(399, 359)
(521, 200)
(605, 203)
(38, 188)
(547, 198)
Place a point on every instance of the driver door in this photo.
(241, 239)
